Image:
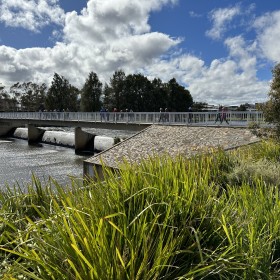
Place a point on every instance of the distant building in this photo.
(211, 108)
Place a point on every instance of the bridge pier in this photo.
(83, 140)
(35, 134)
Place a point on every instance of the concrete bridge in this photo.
(129, 120)
(136, 121)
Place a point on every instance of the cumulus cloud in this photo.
(32, 14)
(268, 30)
(221, 18)
(104, 37)
(224, 81)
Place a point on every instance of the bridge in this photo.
(136, 121)
(129, 120)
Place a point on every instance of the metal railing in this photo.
(233, 118)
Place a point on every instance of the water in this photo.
(18, 160)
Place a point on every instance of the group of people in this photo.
(126, 114)
(163, 115)
(222, 115)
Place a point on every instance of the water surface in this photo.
(18, 161)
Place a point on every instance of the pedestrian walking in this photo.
(190, 115)
(166, 115)
(224, 115)
(219, 115)
(161, 115)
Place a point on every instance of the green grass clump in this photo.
(165, 219)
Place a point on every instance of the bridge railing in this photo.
(203, 118)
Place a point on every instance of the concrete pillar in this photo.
(35, 134)
(83, 141)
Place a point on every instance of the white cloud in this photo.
(268, 30)
(194, 14)
(31, 14)
(221, 18)
(243, 53)
(224, 81)
(105, 37)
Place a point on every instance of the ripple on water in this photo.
(18, 162)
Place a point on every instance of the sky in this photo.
(222, 51)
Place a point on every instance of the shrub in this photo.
(165, 219)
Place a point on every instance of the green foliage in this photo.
(33, 96)
(272, 107)
(117, 85)
(179, 99)
(91, 93)
(61, 95)
(6, 103)
(199, 106)
(165, 219)
(138, 93)
(108, 97)
(242, 107)
(133, 92)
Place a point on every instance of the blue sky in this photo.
(222, 51)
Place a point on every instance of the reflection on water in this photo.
(18, 161)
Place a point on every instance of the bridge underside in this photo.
(83, 141)
(72, 123)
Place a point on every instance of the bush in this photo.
(165, 219)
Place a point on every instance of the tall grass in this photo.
(165, 219)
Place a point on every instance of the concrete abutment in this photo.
(35, 134)
(84, 141)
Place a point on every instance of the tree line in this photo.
(123, 92)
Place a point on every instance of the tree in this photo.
(159, 94)
(272, 107)
(62, 95)
(117, 84)
(199, 106)
(91, 93)
(137, 93)
(6, 103)
(15, 92)
(242, 107)
(33, 96)
(108, 97)
(179, 98)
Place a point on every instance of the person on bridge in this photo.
(219, 115)
(190, 115)
(102, 114)
(161, 115)
(224, 115)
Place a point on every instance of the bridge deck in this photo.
(133, 121)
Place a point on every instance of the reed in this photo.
(163, 219)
